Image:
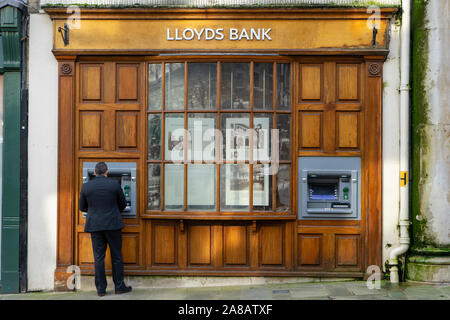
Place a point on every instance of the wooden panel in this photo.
(199, 244)
(347, 126)
(310, 128)
(127, 82)
(310, 249)
(127, 129)
(130, 248)
(348, 82)
(311, 82)
(347, 250)
(91, 83)
(66, 181)
(271, 245)
(91, 124)
(164, 243)
(85, 253)
(372, 165)
(235, 245)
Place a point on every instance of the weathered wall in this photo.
(431, 124)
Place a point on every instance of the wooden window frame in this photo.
(218, 213)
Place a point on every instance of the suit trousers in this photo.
(100, 240)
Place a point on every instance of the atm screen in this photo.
(322, 192)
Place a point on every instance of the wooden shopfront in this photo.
(130, 78)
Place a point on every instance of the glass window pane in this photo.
(173, 187)
(174, 83)
(283, 86)
(201, 187)
(283, 187)
(262, 125)
(201, 138)
(236, 136)
(284, 136)
(234, 187)
(154, 137)
(235, 86)
(174, 137)
(202, 86)
(154, 187)
(263, 86)
(262, 187)
(154, 86)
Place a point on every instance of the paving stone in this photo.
(361, 288)
(256, 294)
(397, 294)
(423, 293)
(445, 290)
(230, 293)
(364, 297)
(338, 290)
(202, 293)
(309, 292)
(168, 294)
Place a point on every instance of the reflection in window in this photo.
(201, 138)
(262, 188)
(154, 187)
(202, 85)
(174, 97)
(234, 187)
(263, 86)
(174, 137)
(284, 133)
(236, 136)
(184, 168)
(201, 187)
(154, 86)
(283, 86)
(235, 86)
(262, 125)
(283, 187)
(173, 189)
(154, 136)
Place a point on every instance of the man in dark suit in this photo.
(103, 200)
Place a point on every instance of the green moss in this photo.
(419, 119)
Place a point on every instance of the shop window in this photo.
(219, 137)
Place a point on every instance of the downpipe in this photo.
(404, 221)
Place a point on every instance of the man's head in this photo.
(101, 169)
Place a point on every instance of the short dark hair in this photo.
(101, 168)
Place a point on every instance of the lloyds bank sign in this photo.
(233, 34)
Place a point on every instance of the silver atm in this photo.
(125, 174)
(329, 188)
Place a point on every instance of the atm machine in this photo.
(329, 188)
(125, 174)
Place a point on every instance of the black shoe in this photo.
(101, 294)
(124, 290)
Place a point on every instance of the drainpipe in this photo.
(404, 141)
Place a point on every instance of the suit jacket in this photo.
(103, 200)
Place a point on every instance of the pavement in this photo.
(340, 290)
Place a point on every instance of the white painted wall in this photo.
(42, 152)
(391, 143)
(42, 155)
